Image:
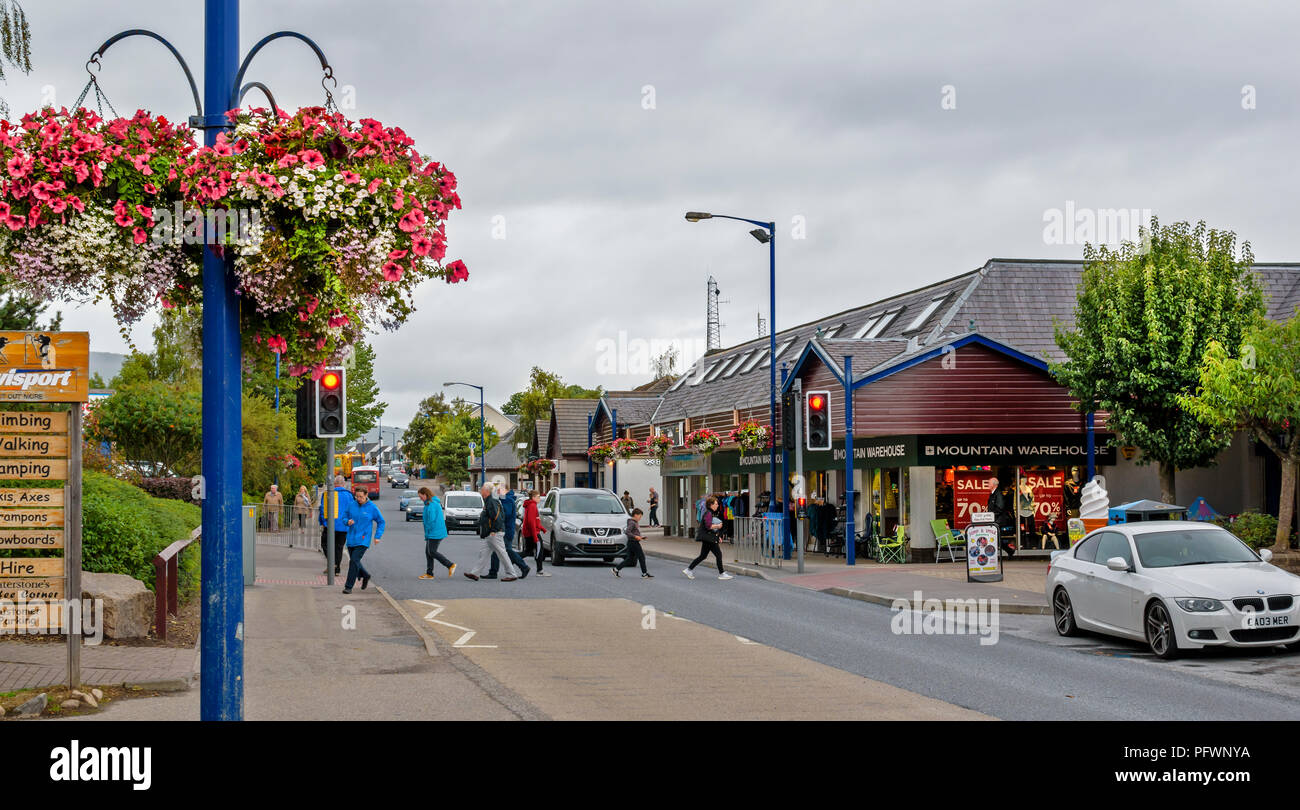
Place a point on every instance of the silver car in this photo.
(461, 510)
(580, 522)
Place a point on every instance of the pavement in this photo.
(34, 665)
(313, 653)
(1021, 590)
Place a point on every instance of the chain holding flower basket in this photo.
(626, 448)
(332, 223)
(659, 446)
(703, 440)
(600, 453)
(752, 436)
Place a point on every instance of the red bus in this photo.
(369, 478)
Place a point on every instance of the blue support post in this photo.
(222, 653)
(613, 436)
(771, 347)
(591, 468)
(1092, 446)
(850, 547)
(787, 543)
(482, 441)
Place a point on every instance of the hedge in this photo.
(124, 528)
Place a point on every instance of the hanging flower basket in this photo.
(752, 436)
(541, 467)
(626, 448)
(703, 440)
(659, 446)
(332, 223)
(600, 453)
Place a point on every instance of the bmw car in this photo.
(1176, 585)
(578, 523)
(415, 509)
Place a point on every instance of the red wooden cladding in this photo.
(983, 391)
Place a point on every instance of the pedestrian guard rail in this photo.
(288, 525)
(757, 540)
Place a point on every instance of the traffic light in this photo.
(331, 404)
(819, 420)
(789, 413)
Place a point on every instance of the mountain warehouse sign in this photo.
(932, 450)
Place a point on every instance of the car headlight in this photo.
(568, 528)
(1199, 605)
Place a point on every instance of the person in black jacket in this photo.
(707, 534)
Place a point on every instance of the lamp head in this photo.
(696, 216)
(761, 235)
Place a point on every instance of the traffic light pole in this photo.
(798, 469)
(327, 531)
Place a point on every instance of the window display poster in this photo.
(970, 494)
(1049, 493)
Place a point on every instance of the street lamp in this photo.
(482, 456)
(765, 233)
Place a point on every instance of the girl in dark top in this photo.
(707, 534)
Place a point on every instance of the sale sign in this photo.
(1049, 493)
(970, 494)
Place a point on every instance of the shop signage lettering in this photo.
(44, 366)
(30, 469)
(25, 590)
(31, 567)
(31, 497)
(43, 446)
(1061, 448)
(970, 494)
(32, 538)
(34, 421)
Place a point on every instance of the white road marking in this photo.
(744, 640)
(461, 642)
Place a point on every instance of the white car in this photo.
(1176, 585)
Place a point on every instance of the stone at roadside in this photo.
(98, 693)
(70, 704)
(89, 700)
(2, 711)
(128, 604)
(32, 707)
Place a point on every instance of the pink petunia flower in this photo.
(138, 236)
(421, 244)
(456, 271)
(311, 158)
(392, 271)
(412, 221)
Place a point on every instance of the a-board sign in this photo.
(40, 539)
(44, 366)
(983, 563)
(33, 469)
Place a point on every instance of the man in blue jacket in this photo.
(365, 524)
(342, 506)
(508, 507)
(435, 531)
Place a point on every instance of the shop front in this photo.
(685, 480)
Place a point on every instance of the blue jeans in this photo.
(355, 568)
(514, 558)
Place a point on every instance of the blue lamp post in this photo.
(222, 650)
(482, 454)
(766, 233)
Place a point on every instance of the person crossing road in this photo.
(365, 525)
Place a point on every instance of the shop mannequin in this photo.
(1025, 510)
(1072, 494)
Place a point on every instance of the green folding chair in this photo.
(893, 551)
(946, 539)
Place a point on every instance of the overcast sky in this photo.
(586, 130)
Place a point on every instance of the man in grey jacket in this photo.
(494, 543)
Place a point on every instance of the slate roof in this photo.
(569, 422)
(503, 455)
(1016, 302)
(542, 438)
(633, 407)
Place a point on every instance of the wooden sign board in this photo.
(35, 446)
(33, 469)
(44, 366)
(41, 539)
(31, 519)
(28, 589)
(33, 421)
(17, 618)
(31, 498)
(27, 567)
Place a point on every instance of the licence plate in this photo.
(1267, 621)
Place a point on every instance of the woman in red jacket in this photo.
(532, 530)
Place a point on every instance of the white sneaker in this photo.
(725, 575)
(688, 573)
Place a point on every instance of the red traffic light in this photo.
(816, 402)
(330, 380)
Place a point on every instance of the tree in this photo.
(1258, 390)
(1143, 323)
(177, 355)
(445, 436)
(364, 407)
(534, 402)
(665, 365)
(157, 426)
(15, 43)
(22, 314)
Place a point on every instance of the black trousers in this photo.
(634, 554)
(432, 555)
(654, 514)
(533, 548)
(709, 547)
(340, 540)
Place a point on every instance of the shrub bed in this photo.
(124, 528)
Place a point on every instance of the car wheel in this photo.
(1063, 614)
(557, 556)
(1161, 637)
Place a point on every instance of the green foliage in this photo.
(440, 433)
(124, 528)
(1255, 529)
(15, 43)
(1143, 323)
(364, 407)
(156, 426)
(270, 438)
(177, 355)
(534, 402)
(18, 313)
